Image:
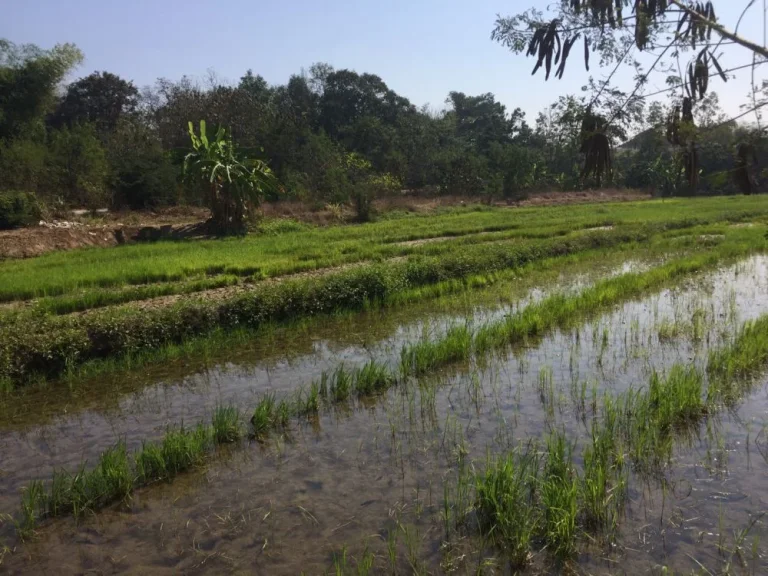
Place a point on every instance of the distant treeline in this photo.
(101, 141)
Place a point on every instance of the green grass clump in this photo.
(150, 464)
(454, 346)
(524, 502)
(227, 427)
(308, 403)
(182, 449)
(373, 378)
(32, 347)
(263, 418)
(603, 484)
(110, 480)
(506, 506)
(559, 491)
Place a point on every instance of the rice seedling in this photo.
(423, 356)
(506, 508)
(392, 551)
(263, 416)
(668, 330)
(341, 383)
(226, 424)
(731, 369)
(520, 503)
(33, 506)
(340, 562)
(117, 473)
(64, 273)
(372, 378)
(366, 562)
(595, 485)
(183, 448)
(150, 464)
(559, 489)
(412, 539)
(103, 340)
(308, 402)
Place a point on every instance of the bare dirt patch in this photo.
(424, 204)
(76, 230)
(607, 195)
(28, 242)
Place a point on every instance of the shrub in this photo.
(18, 209)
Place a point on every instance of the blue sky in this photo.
(423, 49)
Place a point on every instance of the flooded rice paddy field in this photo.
(369, 482)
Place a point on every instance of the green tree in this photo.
(22, 165)
(142, 174)
(77, 166)
(29, 77)
(101, 99)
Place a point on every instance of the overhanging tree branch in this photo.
(724, 32)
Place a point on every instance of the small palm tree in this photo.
(233, 185)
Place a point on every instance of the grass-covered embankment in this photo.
(35, 347)
(85, 274)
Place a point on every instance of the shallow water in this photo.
(286, 505)
(61, 427)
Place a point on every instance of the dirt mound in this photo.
(28, 242)
(83, 229)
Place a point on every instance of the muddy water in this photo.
(353, 476)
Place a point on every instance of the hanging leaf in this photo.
(719, 69)
(535, 41)
(586, 53)
(711, 17)
(691, 81)
(569, 42)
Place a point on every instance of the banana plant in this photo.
(233, 185)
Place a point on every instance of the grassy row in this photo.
(98, 297)
(117, 473)
(110, 297)
(48, 347)
(559, 311)
(98, 290)
(62, 273)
